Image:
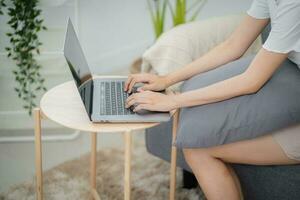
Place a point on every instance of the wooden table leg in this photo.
(38, 154)
(93, 167)
(173, 157)
(127, 164)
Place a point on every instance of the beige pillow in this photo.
(183, 44)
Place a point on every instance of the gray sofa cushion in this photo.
(158, 143)
(274, 106)
(265, 33)
(269, 182)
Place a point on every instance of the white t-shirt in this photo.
(285, 22)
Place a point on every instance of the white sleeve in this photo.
(285, 33)
(259, 9)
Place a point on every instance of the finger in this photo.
(143, 94)
(130, 77)
(140, 89)
(144, 106)
(131, 100)
(131, 84)
(130, 103)
(137, 78)
(130, 97)
(147, 93)
(137, 100)
(146, 87)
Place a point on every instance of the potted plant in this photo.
(181, 12)
(25, 23)
(157, 10)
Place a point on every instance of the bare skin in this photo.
(217, 180)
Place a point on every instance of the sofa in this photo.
(257, 182)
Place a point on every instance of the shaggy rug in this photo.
(70, 180)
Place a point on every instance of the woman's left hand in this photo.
(153, 101)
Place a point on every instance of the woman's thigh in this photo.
(259, 151)
(273, 107)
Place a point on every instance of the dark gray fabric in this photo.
(269, 182)
(265, 33)
(158, 143)
(274, 106)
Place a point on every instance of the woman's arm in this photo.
(258, 73)
(231, 49)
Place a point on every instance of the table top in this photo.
(62, 104)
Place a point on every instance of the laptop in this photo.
(103, 98)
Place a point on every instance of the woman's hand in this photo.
(153, 101)
(152, 82)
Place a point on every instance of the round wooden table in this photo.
(62, 104)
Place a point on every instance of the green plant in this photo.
(158, 12)
(25, 24)
(180, 13)
(2, 5)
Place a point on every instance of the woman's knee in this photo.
(196, 155)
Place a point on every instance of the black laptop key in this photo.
(127, 111)
(113, 99)
(107, 98)
(102, 99)
(120, 102)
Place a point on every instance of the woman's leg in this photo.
(217, 180)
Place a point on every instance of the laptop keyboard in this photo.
(113, 98)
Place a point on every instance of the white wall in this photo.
(112, 34)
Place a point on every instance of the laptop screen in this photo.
(75, 57)
(79, 67)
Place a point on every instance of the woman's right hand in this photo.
(151, 82)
